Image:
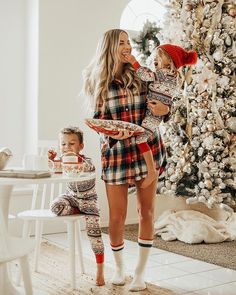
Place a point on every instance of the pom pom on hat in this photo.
(179, 55)
(191, 57)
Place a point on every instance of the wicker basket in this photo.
(5, 155)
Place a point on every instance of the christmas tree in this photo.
(201, 134)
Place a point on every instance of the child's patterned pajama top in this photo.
(81, 197)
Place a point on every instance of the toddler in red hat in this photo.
(168, 58)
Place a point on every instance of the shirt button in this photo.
(132, 160)
(126, 109)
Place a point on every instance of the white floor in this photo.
(178, 273)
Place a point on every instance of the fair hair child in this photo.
(81, 197)
(168, 58)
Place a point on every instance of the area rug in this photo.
(222, 254)
(53, 277)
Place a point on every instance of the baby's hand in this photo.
(51, 155)
(130, 58)
(158, 108)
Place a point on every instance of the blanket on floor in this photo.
(194, 227)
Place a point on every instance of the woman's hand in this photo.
(158, 108)
(122, 135)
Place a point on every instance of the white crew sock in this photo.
(119, 275)
(138, 283)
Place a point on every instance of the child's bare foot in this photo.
(151, 176)
(100, 275)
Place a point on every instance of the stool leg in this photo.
(71, 242)
(79, 246)
(25, 234)
(26, 275)
(38, 238)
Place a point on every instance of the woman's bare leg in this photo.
(117, 201)
(152, 173)
(145, 206)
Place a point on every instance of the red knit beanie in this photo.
(180, 56)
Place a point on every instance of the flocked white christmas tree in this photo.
(201, 135)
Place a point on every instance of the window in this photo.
(138, 11)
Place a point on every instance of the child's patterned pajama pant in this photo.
(67, 205)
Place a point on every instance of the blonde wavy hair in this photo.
(101, 71)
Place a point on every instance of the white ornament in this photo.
(173, 187)
(209, 158)
(170, 171)
(205, 192)
(218, 180)
(218, 55)
(211, 201)
(192, 200)
(226, 71)
(206, 175)
(202, 199)
(231, 124)
(201, 184)
(174, 177)
(222, 185)
(168, 185)
(211, 127)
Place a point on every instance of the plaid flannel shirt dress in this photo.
(122, 161)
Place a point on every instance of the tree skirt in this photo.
(212, 253)
(53, 277)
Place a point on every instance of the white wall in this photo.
(31, 77)
(12, 75)
(68, 32)
(68, 35)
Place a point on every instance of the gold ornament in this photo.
(188, 7)
(188, 130)
(232, 11)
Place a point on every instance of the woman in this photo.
(119, 94)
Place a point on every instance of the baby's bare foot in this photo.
(100, 275)
(151, 176)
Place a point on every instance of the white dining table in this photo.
(6, 187)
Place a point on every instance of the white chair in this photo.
(42, 213)
(45, 145)
(12, 248)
